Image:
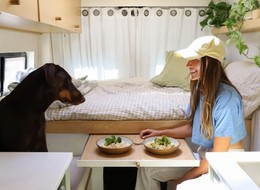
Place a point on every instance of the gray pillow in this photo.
(245, 76)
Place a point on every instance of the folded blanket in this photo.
(20, 75)
(1, 97)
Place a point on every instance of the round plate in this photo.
(100, 143)
(175, 142)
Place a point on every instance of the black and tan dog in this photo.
(22, 119)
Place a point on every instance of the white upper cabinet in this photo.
(61, 13)
(24, 8)
(41, 16)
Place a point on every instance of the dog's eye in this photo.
(63, 84)
(65, 100)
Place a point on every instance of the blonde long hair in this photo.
(211, 75)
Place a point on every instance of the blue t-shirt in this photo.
(228, 120)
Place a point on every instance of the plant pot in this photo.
(256, 13)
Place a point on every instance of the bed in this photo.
(124, 106)
(156, 103)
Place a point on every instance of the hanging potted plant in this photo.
(234, 24)
(216, 14)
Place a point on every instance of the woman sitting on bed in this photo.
(215, 117)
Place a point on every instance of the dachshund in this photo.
(22, 119)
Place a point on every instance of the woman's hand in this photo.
(149, 133)
(177, 181)
(181, 131)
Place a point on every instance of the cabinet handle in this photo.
(57, 18)
(15, 2)
(76, 26)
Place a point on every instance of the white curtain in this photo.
(123, 43)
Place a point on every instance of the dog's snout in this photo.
(77, 98)
(71, 97)
(82, 99)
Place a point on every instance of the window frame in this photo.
(3, 57)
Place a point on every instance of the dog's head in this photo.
(61, 83)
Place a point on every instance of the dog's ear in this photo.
(50, 72)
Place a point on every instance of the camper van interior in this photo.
(120, 54)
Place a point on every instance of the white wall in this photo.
(17, 41)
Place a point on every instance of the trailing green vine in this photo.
(232, 16)
(234, 24)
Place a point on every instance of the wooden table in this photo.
(31, 171)
(136, 157)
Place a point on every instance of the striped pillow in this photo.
(246, 77)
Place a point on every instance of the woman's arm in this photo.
(220, 144)
(182, 131)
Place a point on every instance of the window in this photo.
(9, 65)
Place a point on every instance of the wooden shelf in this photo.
(248, 26)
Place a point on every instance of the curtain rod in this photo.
(121, 7)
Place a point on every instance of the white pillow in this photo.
(246, 77)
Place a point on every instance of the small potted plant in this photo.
(216, 14)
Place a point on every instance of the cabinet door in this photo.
(61, 13)
(24, 8)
